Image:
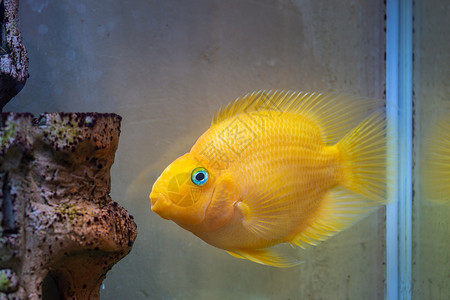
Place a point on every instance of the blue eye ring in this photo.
(199, 176)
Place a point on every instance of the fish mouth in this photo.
(160, 204)
(166, 209)
(154, 197)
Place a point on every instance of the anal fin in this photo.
(340, 209)
(265, 257)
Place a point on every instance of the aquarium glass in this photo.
(167, 66)
(431, 211)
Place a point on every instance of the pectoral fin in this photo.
(265, 213)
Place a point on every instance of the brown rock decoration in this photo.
(13, 56)
(60, 231)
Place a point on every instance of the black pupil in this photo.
(200, 176)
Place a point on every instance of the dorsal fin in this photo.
(335, 114)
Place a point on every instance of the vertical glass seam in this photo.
(400, 118)
(392, 105)
(405, 148)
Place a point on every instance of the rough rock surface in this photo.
(13, 55)
(60, 231)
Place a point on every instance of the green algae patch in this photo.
(8, 133)
(5, 282)
(65, 130)
(72, 212)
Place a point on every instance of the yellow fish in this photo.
(278, 167)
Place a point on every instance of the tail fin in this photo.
(363, 184)
(363, 156)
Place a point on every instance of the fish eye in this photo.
(199, 176)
